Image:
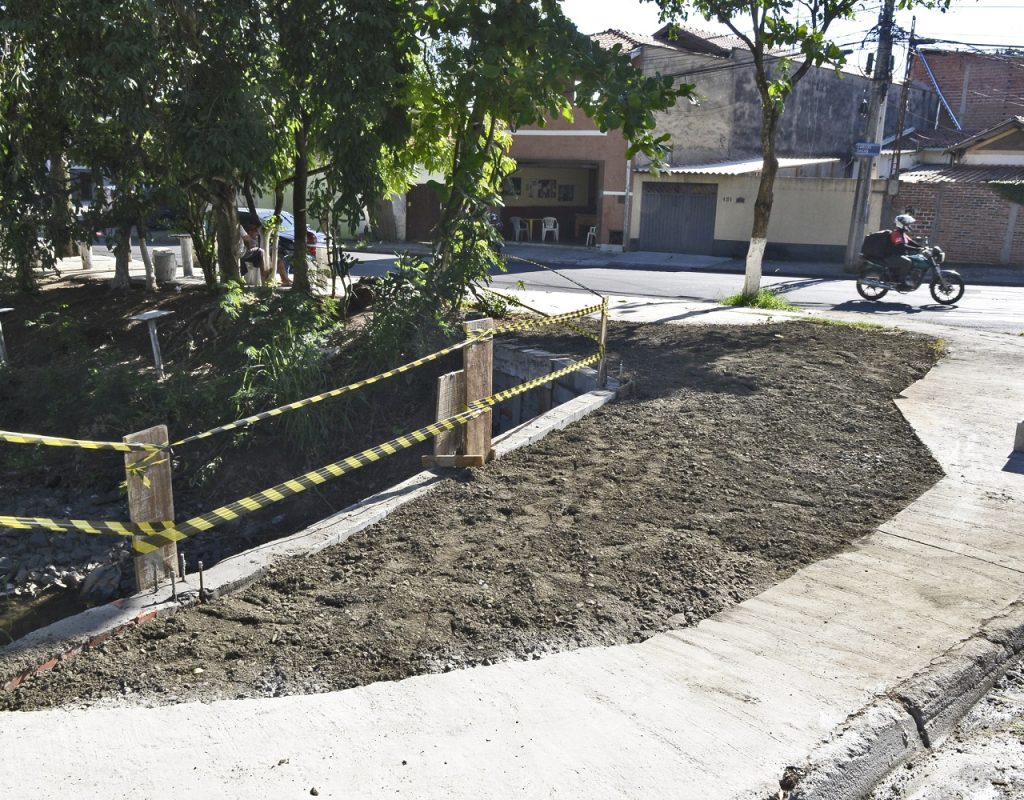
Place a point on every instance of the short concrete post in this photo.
(478, 364)
(150, 500)
(1018, 442)
(186, 254)
(3, 346)
(85, 251)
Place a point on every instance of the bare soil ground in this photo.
(742, 455)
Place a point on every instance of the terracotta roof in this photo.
(988, 133)
(692, 40)
(937, 139)
(945, 173)
(685, 37)
(613, 36)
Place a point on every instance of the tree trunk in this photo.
(122, 258)
(763, 204)
(225, 215)
(62, 211)
(147, 260)
(300, 268)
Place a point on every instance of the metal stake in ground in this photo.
(150, 318)
(150, 500)
(3, 347)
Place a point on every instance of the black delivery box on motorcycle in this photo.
(877, 245)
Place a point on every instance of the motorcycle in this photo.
(876, 280)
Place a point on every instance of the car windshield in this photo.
(287, 220)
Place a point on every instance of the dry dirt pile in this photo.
(742, 455)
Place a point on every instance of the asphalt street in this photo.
(992, 308)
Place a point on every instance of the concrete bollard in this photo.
(186, 254)
(165, 265)
(1018, 442)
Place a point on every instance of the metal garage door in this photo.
(678, 217)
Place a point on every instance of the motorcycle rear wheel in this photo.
(869, 292)
(954, 290)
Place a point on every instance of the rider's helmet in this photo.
(904, 221)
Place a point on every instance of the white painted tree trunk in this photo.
(85, 251)
(752, 276)
(147, 262)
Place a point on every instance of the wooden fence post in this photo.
(478, 364)
(602, 367)
(150, 500)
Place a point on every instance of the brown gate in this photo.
(423, 213)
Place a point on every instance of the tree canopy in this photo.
(201, 104)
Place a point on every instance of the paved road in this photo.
(992, 308)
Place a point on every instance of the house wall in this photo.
(969, 221)
(981, 89)
(579, 140)
(822, 116)
(810, 216)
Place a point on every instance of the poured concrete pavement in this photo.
(713, 711)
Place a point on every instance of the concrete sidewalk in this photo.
(799, 675)
(520, 256)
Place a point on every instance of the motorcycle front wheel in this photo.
(953, 290)
(867, 291)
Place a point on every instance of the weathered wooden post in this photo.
(3, 346)
(602, 367)
(478, 364)
(150, 500)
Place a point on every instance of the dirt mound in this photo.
(742, 455)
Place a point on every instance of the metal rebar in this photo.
(156, 579)
(181, 566)
(174, 586)
(202, 589)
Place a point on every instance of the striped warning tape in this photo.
(476, 336)
(84, 444)
(153, 535)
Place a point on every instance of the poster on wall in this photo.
(512, 187)
(566, 193)
(543, 189)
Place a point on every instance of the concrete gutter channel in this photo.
(573, 396)
(963, 538)
(916, 715)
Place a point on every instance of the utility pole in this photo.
(873, 134)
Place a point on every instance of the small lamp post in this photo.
(3, 347)
(150, 318)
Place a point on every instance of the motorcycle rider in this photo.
(898, 262)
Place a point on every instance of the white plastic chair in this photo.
(592, 236)
(548, 225)
(519, 227)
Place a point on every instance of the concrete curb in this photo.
(41, 650)
(915, 716)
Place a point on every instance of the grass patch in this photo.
(765, 299)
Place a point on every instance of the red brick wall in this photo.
(968, 220)
(983, 90)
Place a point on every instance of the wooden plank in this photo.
(478, 363)
(150, 500)
(451, 400)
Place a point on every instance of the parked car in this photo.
(286, 234)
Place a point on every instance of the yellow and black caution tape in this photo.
(153, 535)
(476, 336)
(85, 444)
(473, 338)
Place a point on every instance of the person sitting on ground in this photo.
(903, 245)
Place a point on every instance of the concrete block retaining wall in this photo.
(516, 362)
